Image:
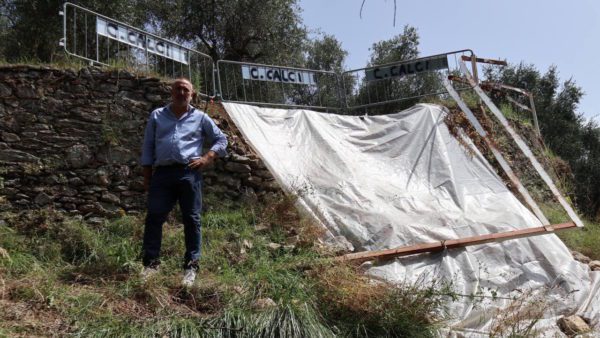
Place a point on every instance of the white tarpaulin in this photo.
(381, 182)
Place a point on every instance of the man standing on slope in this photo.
(172, 159)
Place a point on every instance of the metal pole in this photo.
(65, 25)
(75, 30)
(215, 74)
(282, 91)
(190, 65)
(252, 91)
(107, 50)
(318, 90)
(235, 88)
(340, 95)
(86, 35)
(368, 86)
(474, 67)
(97, 47)
(227, 86)
(218, 93)
(146, 51)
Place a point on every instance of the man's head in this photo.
(182, 92)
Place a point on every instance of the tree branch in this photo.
(361, 9)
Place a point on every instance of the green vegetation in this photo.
(62, 276)
(583, 240)
(564, 130)
(516, 115)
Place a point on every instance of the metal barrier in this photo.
(279, 86)
(101, 40)
(396, 85)
(383, 88)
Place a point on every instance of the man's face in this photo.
(182, 93)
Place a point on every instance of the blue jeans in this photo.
(167, 186)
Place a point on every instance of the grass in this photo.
(60, 276)
(66, 61)
(583, 240)
(515, 115)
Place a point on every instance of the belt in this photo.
(173, 166)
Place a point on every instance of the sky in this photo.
(541, 32)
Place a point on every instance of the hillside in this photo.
(71, 227)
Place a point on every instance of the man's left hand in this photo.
(204, 161)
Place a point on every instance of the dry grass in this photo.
(519, 318)
(377, 308)
(22, 319)
(457, 123)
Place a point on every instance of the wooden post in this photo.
(454, 243)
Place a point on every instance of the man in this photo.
(172, 160)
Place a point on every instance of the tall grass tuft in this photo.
(361, 307)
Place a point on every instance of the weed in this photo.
(519, 318)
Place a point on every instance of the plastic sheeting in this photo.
(380, 182)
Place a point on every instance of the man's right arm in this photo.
(148, 151)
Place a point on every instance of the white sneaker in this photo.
(148, 272)
(189, 276)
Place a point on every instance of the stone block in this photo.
(262, 173)
(573, 325)
(78, 156)
(5, 91)
(110, 198)
(43, 199)
(26, 92)
(239, 158)
(580, 257)
(237, 167)
(9, 137)
(253, 181)
(594, 265)
(12, 155)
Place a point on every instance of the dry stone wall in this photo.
(71, 140)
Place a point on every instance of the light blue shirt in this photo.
(168, 140)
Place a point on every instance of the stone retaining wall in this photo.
(71, 140)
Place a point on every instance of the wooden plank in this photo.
(522, 145)
(482, 60)
(497, 154)
(455, 243)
